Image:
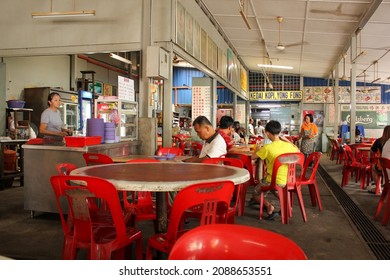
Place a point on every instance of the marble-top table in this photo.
(162, 177)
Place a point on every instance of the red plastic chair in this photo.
(179, 141)
(210, 195)
(311, 182)
(172, 150)
(196, 213)
(352, 165)
(374, 160)
(196, 148)
(234, 242)
(100, 239)
(64, 168)
(292, 160)
(142, 206)
(252, 181)
(384, 200)
(94, 159)
(334, 155)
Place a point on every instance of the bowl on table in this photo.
(170, 156)
(160, 157)
(12, 104)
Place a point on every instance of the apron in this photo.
(307, 145)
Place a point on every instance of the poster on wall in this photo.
(126, 89)
(219, 62)
(98, 87)
(210, 53)
(244, 80)
(189, 34)
(318, 118)
(201, 102)
(230, 65)
(203, 46)
(370, 116)
(180, 25)
(326, 95)
(196, 37)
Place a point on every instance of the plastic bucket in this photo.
(9, 160)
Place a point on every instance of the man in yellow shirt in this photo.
(269, 153)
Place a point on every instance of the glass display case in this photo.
(123, 113)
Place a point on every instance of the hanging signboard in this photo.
(371, 116)
(275, 95)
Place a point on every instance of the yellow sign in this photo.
(276, 95)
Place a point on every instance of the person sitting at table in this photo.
(226, 129)
(269, 153)
(239, 131)
(376, 151)
(214, 145)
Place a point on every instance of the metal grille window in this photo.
(258, 81)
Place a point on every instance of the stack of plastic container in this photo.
(95, 127)
(109, 132)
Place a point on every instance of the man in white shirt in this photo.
(259, 129)
(214, 145)
(251, 129)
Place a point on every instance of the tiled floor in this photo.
(330, 234)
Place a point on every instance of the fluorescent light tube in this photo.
(274, 66)
(120, 58)
(63, 14)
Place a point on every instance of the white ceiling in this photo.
(319, 31)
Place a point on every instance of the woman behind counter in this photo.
(51, 125)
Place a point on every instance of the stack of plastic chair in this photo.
(361, 170)
(210, 195)
(102, 240)
(384, 200)
(252, 181)
(314, 161)
(142, 205)
(291, 161)
(169, 150)
(234, 242)
(196, 212)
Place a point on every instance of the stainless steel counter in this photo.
(40, 164)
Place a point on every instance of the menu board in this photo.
(326, 95)
(126, 89)
(201, 102)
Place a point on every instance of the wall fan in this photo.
(177, 60)
(280, 46)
